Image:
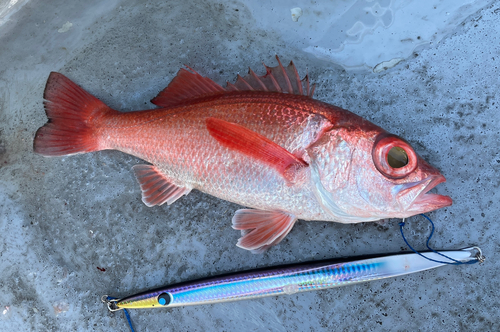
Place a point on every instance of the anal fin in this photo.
(156, 187)
(262, 229)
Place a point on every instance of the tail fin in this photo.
(70, 110)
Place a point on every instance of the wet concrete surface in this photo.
(74, 228)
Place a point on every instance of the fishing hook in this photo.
(110, 303)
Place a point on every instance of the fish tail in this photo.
(72, 114)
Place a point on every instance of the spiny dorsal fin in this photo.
(279, 79)
(189, 84)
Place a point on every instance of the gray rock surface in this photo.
(74, 228)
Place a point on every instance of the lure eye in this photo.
(393, 156)
(164, 299)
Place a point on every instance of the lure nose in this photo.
(138, 302)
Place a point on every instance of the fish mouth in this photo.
(424, 201)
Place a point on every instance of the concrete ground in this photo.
(74, 228)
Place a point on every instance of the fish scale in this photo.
(183, 149)
(263, 143)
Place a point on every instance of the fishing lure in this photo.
(290, 279)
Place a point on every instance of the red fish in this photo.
(262, 142)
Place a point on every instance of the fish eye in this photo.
(393, 156)
(397, 157)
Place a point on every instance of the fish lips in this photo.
(418, 198)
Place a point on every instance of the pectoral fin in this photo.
(246, 141)
(262, 229)
(156, 187)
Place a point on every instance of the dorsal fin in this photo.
(277, 78)
(185, 85)
(189, 84)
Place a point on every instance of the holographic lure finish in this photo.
(288, 279)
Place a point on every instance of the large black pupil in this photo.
(397, 157)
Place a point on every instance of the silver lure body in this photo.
(289, 279)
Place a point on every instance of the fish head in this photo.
(365, 175)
